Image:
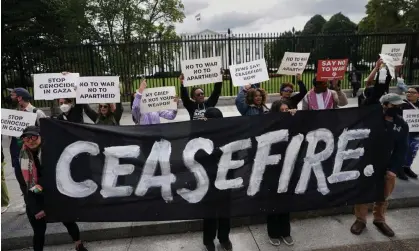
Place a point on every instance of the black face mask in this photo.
(394, 111)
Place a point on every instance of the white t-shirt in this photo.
(320, 101)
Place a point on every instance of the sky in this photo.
(259, 16)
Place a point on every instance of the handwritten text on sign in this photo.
(202, 71)
(412, 119)
(394, 50)
(293, 63)
(49, 86)
(330, 69)
(249, 73)
(93, 90)
(158, 99)
(13, 122)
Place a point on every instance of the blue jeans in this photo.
(412, 151)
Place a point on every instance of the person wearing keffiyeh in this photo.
(31, 167)
(322, 98)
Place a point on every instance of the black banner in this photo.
(235, 166)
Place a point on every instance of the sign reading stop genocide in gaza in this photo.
(329, 69)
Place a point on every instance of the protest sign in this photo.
(49, 86)
(293, 63)
(388, 60)
(94, 90)
(202, 71)
(13, 122)
(249, 73)
(158, 99)
(330, 69)
(396, 51)
(412, 119)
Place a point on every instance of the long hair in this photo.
(252, 93)
(276, 105)
(109, 110)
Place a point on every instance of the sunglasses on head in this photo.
(103, 106)
(31, 137)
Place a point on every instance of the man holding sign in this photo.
(153, 99)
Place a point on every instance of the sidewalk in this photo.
(334, 236)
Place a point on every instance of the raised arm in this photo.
(241, 104)
(184, 96)
(90, 113)
(169, 114)
(370, 78)
(118, 111)
(303, 91)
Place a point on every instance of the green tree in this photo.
(314, 25)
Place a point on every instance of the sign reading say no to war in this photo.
(202, 71)
(13, 122)
(330, 69)
(293, 63)
(93, 90)
(49, 86)
(158, 99)
(412, 119)
(394, 50)
(249, 73)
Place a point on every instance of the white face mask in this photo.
(65, 107)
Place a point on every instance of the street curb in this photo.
(180, 226)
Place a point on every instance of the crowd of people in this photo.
(251, 100)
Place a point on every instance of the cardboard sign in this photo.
(158, 99)
(396, 51)
(412, 119)
(49, 86)
(390, 63)
(202, 71)
(13, 122)
(249, 73)
(330, 69)
(95, 90)
(293, 63)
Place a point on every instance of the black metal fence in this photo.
(160, 60)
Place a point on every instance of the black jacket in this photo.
(196, 110)
(372, 95)
(294, 100)
(113, 119)
(398, 132)
(75, 115)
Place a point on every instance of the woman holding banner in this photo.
(107, 114)
(287, 89)
(251, 101)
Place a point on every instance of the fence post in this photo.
(294, 49)
(413, 52)
(229, 59)
(92, 59)
(161, 59)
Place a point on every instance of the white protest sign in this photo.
(412, 119)
(49, 86)
(13, 121)
(95, 90)
(158, 99)
(388, 60)
(249, 73)
(396, 51)
(293, 63)
(202, 71)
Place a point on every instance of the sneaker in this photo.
(410, 173)
(81, 248)
(358, 227)
(288, 240)
(227, 246)
(384, 228)
(274, 241)
(4, 209)
(22, 209)
(210, 247)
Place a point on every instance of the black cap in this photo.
(21, 92)
(31, 131)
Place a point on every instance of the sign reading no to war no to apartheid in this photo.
(412, 119)
(94, 90)
(202, 71)
(13, 122)
(158, 99)
(249, 73)
(293, 63)
(394, 50)
(49, 86)
(330, 69)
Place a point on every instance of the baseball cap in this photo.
(391, 98)
(31, 131)
(21, 92)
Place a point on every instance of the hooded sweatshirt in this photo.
(197, 110)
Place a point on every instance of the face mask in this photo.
(65, 108)
(393, 111)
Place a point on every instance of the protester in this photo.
(107, 114)
(197, 106)
(287, 89)
(401, 86)
(251, 101)
(4, 192)
(354, 78)
(411, 102)
(397, 130)
(149, 118)
(20, 99)
(279, 225)
(379, 80)
(31, 169)
(210, 224)
(321, 97)
(69, 111)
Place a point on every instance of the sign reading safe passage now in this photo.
(293, 63)
(202, 71)
(412, 119)
(94, 90)
(330, 69)
(249, 73)
(158, 99)
(13, 122)
(49, 86)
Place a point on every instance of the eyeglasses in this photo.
(199, 94)
(288, 90)
(103, 106)
(410, 92)
(32, 138)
